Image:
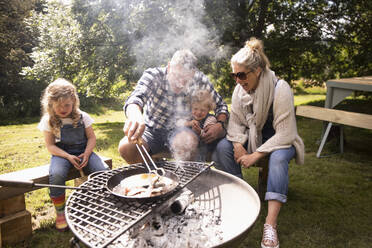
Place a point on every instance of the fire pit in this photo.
(100, 219)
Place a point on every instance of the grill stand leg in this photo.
(74, 243)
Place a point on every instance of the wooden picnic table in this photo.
(337, 91)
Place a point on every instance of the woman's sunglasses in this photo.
(240, 75)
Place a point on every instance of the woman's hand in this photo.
(239, 151)
(250, 159)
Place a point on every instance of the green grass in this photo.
(329, 199)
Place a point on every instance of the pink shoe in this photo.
(269, 237)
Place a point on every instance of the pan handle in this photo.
(30, 184)
(17, 183)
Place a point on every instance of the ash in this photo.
(195, 228)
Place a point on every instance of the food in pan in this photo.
(144, 185)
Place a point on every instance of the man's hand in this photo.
(213, 132)
(134, 125)
(133, 129)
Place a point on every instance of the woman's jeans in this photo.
(59, 168)
(277, 184)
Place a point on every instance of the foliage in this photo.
(220, 75)
(103, 46)
(108, 64)
(58, 50)
(316, 40)
(309, 39)
(68, 49)
(17, 95)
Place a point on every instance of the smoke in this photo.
(184, 146)
(162, 27)
(153, 30)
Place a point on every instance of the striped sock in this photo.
(59, 203)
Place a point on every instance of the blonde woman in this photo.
(262, 123)
(70, 139)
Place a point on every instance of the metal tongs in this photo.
(158, 171)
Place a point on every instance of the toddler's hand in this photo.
(196, 127)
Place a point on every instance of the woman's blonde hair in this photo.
(57, 91)
(205, 98)
(252, 55)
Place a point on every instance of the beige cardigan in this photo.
(284, 122)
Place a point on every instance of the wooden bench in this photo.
(335, 116)
(15, 220)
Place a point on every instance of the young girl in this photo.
(69, 137)
(201, 104)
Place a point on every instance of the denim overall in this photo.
(73, 141)
(277, 184)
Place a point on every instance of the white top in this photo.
(44, 122)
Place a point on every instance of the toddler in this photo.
(70, 139)
(201, 104)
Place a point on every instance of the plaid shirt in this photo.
(162, 108)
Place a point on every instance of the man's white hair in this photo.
(185, 58)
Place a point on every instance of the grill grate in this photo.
(98, 218)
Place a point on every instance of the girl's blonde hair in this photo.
(252, 55)
(56, 92)
(205, 98)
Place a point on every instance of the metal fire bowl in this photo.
(234, 199)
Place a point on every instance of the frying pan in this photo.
(111, 183)
(115, 180)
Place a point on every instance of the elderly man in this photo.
(161, 97)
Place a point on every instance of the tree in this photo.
(16, 93)
(103, 46)
(317, 39)
(57, 53)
